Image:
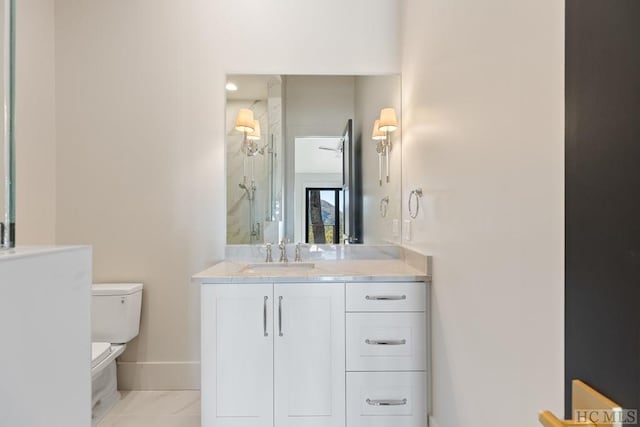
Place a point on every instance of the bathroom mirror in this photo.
(305, 163)
(7, 148)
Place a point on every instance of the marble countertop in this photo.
(369, 270)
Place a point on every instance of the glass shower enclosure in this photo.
(7, 142)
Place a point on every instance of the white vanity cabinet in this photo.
(273, 353)
(309, 355)
(237, 355)
(387, 354)
(315, 354)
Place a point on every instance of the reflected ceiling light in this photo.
(231, 87)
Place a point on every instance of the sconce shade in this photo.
(377, 134)
(255, 135)
(388, 120)
(245, 121)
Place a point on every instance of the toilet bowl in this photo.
(115, 321)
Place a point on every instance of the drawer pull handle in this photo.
(385, 297)
(385, 342)
(280, 316)
(389, 402)
(264, 317)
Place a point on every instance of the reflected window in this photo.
(323, 215)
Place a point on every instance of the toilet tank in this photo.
(115, 312)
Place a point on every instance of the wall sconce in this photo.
(386, 124)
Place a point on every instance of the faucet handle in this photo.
(269, 258)
(283, 250)
(298, 253)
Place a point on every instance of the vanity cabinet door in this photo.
(309, 355)
(237, 355)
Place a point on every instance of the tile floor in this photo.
(155, 409)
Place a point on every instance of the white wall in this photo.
(483, 136)
(35, 122)
(140, 134)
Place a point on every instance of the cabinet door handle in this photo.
(264, 316)
(385, 297)
(280, 316)
(385, 342)
(386, 402)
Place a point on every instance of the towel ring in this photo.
(384, 204)
(418, 194)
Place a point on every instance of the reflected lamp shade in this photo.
(377, 134)
(388, 120)
(245, 121)
(255, 135)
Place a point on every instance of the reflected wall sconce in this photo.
(255, 135)
(386, 123)
(246, 123)
(378, 136)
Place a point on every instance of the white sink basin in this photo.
(272, 266)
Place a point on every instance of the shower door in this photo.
(7, 147)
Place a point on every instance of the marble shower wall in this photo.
(267, 215)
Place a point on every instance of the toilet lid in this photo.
(99, 352)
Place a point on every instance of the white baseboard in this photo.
(159, 375)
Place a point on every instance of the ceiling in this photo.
(249, 86)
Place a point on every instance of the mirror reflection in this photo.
(313, 159)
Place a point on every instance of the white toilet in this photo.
(115, 322)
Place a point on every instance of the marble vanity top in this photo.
(361, 270)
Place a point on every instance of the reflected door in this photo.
(351, 187)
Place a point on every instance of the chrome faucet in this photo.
(269, 258)
(283, 251)
(298, 253)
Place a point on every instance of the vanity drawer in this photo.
(386, 341)
(399, 296)
(383, 399)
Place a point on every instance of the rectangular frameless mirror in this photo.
(306, 163)
(7, 148)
